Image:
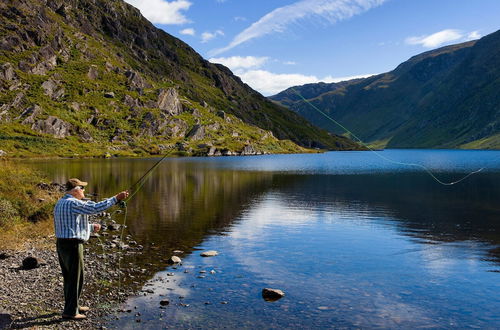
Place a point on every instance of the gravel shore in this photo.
(34, 297)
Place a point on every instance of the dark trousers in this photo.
(70, 254)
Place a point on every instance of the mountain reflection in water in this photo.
(187, 202)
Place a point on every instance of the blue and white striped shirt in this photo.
(71, 216)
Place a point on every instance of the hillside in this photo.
(444, 98)
(88, 78)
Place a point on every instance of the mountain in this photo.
(444, 98)
(94, 77)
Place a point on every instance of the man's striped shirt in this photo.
(71, 216)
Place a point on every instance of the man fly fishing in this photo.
(72, 229)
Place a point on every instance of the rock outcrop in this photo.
(168, 101)
(197, 133)
(54, 126)
(53, 89)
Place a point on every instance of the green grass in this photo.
(20, 199)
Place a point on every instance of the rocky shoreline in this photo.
(34, 297)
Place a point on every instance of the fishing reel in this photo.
(122, 204)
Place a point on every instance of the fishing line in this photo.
(133, 189)
(426, 169)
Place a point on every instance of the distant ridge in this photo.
(444, 98)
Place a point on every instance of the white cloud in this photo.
(239, 18)
(269, 83)
(189, 32)
(474, 35)
(161, 11)
(279, 19)
(240, 62)
(442, 37)
(207, 36)
(290, 63)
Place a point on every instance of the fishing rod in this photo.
(134, 188)
(426, 169)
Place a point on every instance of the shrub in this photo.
(8, 213)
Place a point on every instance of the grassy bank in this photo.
(25, 207)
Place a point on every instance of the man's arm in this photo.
(89, 207)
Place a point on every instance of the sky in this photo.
(275, 44)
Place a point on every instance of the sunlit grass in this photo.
(25, 209)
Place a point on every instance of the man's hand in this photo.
(121, 196)
(97, 227)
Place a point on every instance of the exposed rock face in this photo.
(196, 133)
(248, 150)
(221, 114)
(130, 101)
(93, 73)
(53, 89)
(135, 80)
(15, 104)
(30, 113)
(7, 72)
(53, 125)
(213, 152)
(168, 101)
(176, 128)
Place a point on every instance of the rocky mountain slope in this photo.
(94, 77)
(444, 98)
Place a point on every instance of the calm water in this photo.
(354, 241)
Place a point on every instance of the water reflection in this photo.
(351, 249)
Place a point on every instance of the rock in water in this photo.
(164, 302)
(272, 294)
(30, 263)
(174, 260)
(209, 254)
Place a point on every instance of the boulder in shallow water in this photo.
(164, 302)
(209, 253)
(30, 263)
(174, 260)
(272, 294)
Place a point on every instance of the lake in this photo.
(353, 240)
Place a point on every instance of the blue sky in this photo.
(275, 44)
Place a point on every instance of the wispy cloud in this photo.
(239, 18)
(279, 19)
(189, 32)
(269, 83)
(290, 63)
(474, 35)
(240, 62)
(442, 37)
(207, 36)
(161, 11)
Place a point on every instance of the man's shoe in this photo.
(74, 317)
(83, 309)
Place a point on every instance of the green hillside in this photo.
(444, 98)
(91, 78)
